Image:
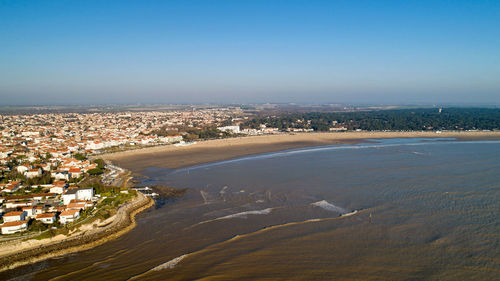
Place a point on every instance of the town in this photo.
(50, 173)
(51, 176)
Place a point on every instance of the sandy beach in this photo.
(173, 157)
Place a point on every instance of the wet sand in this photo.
(173, 157)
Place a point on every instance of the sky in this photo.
(237, 51)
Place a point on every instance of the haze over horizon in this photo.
(392, 52)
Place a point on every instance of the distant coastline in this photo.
(173, 157)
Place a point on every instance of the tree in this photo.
(95, 171)
(100, 163)
(80, 156)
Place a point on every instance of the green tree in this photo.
(100, 163)
(80, 156)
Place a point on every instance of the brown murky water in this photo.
(396, 210)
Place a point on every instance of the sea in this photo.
(394, 209)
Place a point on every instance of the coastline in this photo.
(173, 157)
(123, 222)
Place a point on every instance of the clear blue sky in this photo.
(94, 52)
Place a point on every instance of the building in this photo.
(14, 226)
(33, 173)
(14, 216)
(30, 211)
(58, 187)
(48, 218)
(75, 172)
(69, 216)
(77, 194)
(230, 129)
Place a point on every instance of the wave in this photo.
(245, 214)
(167, 265)
(171, 263)
(242, 215)
(329, 207)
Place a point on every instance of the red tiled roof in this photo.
(12, 214)
(13, 223)
(46, 215)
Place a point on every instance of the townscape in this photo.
(51, 176)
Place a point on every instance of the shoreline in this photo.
(174, 157)
(123, 223)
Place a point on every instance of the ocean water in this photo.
(398, 209)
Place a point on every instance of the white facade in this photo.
(57, 189)
(14, 216)
(85, 194)
(22, 169)
(69, 216)
(78, 194)
(34, 173)
(13, 227)
(67, 197)
(46, 218)
(30, 211)
(231, 129)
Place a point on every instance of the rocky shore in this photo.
(124, 221)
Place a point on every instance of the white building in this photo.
(30, 211)
(14, 226)
(33, 173)
(77, 194)
(57, 189)
(230, 129)
(170, 139)
(14, 216)
(22, 169)
(48, 218)
(69, 216)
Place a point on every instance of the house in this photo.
(68, 196)
(12, 186)
(48, 218)
(77, 194)
(75, 172)
(33, 173)
(60, 175)
(30, 211)
(14, 216)
(76, 205)
(69, 216)
(230, 129)
(12, 204)
(14, 226)
(85, 194)
(38, 210)
(23, 168)
(45, 167)
(58, 187)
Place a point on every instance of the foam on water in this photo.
(329, 207)
(242, 215)
(170, 264)
(245, 214)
